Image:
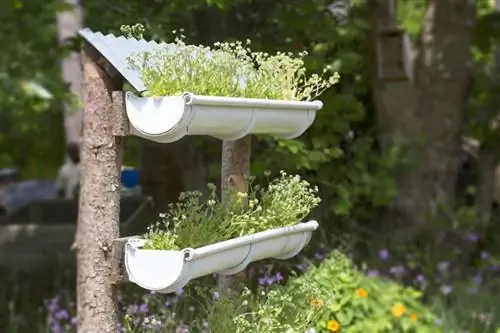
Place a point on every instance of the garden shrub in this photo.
(332, 297)
(359, 303)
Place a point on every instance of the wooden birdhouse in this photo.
(394, 60)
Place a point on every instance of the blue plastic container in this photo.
(130, 178)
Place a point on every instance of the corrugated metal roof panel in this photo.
(117, 49)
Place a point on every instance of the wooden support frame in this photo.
(118, 270)
(98, 217)
(235, 170)
(119, 120)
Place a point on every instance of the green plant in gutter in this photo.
(227, 69)
(194, 222)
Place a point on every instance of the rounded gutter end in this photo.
(188, 254)
(314, 224)
(155, 270)
(156, 116)
(302, 239)
(188, 98)
(317, 105)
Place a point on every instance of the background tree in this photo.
(68, 24)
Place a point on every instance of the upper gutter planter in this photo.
(182, 88)
(168, 119)
(167, 271)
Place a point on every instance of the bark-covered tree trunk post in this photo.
(235, 169)
(98, 218)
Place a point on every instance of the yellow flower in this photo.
(362, 292)
(398, 310)
(333, 326)
(317, 303)
(413, 317)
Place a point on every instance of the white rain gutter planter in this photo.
(167, 271)
(168, 119)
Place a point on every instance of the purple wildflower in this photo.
(270, 280)
(143, 308)
(383, 254)
(473, 237)
(494, 268)
(398, 271)
(478, 279)
(55, 327)
(61, 315)
(53, 304)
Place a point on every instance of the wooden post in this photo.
(235, 169)
(98, 218)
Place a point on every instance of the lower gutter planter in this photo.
(167, 271)
(168, 119)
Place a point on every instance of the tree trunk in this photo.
(429, 108)
(68, 24)
(98, 218)
(235, 168)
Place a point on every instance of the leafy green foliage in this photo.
(332, 297)
(30, 87)
(192, 223)
(483, 103)
(359, 303)
(267, 311)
